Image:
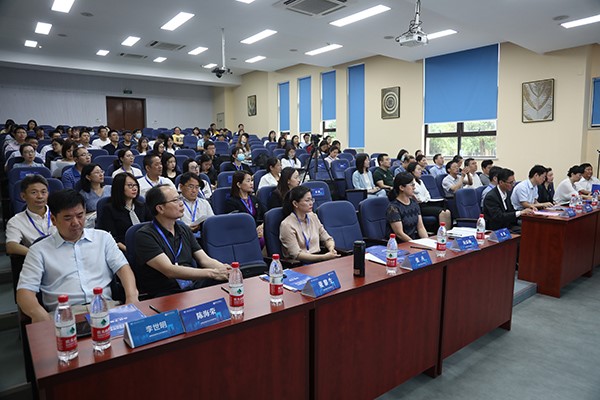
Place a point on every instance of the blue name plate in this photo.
(204, 315)
(500, 235)
(464, 243)
(416, 261)
(152, 329)
(320, 285)
(569, 212)
(587, 208)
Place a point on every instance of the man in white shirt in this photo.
(584, 186)
(103, 139)
(471, 178)
(453, 181)
(18, 139)
(196, 207)
(525, 194)
(153, 177)
(438, 166)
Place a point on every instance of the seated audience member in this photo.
(333, 155)
(242, 200)
(27, 226)
(546, 189)
(493, 176)
(426, 204)
(438, 166)
(289, 159)
(273, 171)
(158, 148)
(39, 133)
(498, 210)
(422, 161)
(271, 138)
(53, 135)
(281, 143)
(18, 138)
(244, 144)
(28, 153)
(289, 179)
(102, 139)
(54, 153)
(31, 125)
(453, 181)
(50, 265)
(301, 233)
(471, 178)
(525, 194)
(486, 165)
(403, 214)
(166, 250)
(295, 142)
(196, 208)
(237, 161)
(153, 177)
(170, 146)
(72, 175)
(206, 167)
(124, 208)
(178, 136)
(113, 146)
(406, 159)
(459, 160)
(84, 139)
(124, 163)
(31, 140)
(128, 142)
(92, 186)
(306, 141)
(584, 186)
(382, 176)
(362, 178)
(418, 153)
(402, 155)
(142, 146)
(170, 169)
(567, 187)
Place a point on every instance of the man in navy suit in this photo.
(497, 207)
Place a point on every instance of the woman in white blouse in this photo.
(272, 177)
(421, 194)
(124, 163)
(567, 188)
(289, 159)
(362, 178)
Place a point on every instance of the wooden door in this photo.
(124, 113)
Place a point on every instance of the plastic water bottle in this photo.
(480, 229)
(573, 202)
(579, 204)
(66, 334)
(100, 321)
(595, 199)
(391, 256)
(276, 280)
(442, 238)
(236, 291)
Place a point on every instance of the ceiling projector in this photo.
(409, 39)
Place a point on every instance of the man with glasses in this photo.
(70, 178)
(166, 251)
(498, 209)
(195, 207)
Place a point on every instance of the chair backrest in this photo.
(339, 220)
(130, 244)
(232, 237)
(338, 167)
(372, 212)
(277, 152)
(320, 192)
(218, 199)
(54, 185)
(467, 204)
(223, 165)
(270, 146)
(429, 182)
(348, 177)
(222, 148)
(350, 151)
(105, 161)
(438, 183)
(260, 150)
(256, 177)
(100, 209)
(16, 174)
(190, 142)
(16, 202)
(346, 156)
(479, 192)
(272, 222)
(225, 178)
(181, 159)
(303, 158)
(139, 160)
(97, 152)
(263, 194)
(189, 153)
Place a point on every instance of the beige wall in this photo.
(592, 135)
(223, 103)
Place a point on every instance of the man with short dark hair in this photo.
(584, 186)
(382, 176)
(486, 165)
(166, 250)
(72, 175)
(438, 166)
(453, 181)
(498, 209)
(470, 178)
(13, 143)
(493, 175)
(196, 207)
(102, 139)
(71, 261)
(525, 194)
(154, 168)
(114, 145)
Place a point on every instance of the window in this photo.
(328, 100)
(596, 103)
(469, 139)
(284, 106)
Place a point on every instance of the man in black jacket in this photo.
(497, 207)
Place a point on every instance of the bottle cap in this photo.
(442, 224)
(63, 298)
(480, 215)
(97, 290)
(392, 236)
(275, 256)
(235, 264)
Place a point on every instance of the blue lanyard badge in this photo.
(249, 206)
(150, 182)
(35, 226)
(183, 283)
(193, 214)
(306, 239)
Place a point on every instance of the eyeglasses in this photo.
(84, 155)
(179, 199)
(192, 187)
(131, 185)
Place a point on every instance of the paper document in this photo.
(432, 244)
(462, 232)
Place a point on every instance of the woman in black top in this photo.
(546, 189)
(170, 169)
(243, 200)
(288, 180)
(237, 158)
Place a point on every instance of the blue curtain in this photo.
(328, 95)
(356, 106)
(462, 86)
(596, 103)
(284, 106)
(304, 97)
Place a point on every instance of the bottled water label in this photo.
(66, 339)
(391, 259)
(480, 235)
(236, 296)
(441, 245)
(276, 285)
(100, 327)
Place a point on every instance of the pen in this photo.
(156, 310)
(420, 248)
(224, 289)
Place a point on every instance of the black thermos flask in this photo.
(359, 258)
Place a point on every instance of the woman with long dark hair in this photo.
(289, 179)
(170, 169)
(124, 163)
(403, 214)
(423, 198)
(242, 200)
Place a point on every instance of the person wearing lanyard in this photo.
(124, 163)
(301, 232)
(237, 159)
(34, 222)
(154, 168)
(196, 207)
(242, 200)
(166, 250)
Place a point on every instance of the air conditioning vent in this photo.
(313, 8)
(132, 56)
(155, 44)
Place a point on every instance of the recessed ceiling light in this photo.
(580, 22)
(259, 36)
(323, 49)
(440, 34)
(255, 59)
(87, 14)
(130, 41)
(177, 21)
(43, 28)
(369, 12)
(62, 5)
(30, 43)
(102, 52)
(246, 1)
(233, 58)
(209, 66)
(560, 18)
(62, 35)
(159, 59)
(198, 50)
(293, 50)
(388, 37)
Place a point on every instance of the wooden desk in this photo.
(555, 251)
(229, 360)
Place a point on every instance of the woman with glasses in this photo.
(191, 165)
(124, 208)
(124, 163)
(242, 200)
(301, 232)
(28, 153)
(403, 214)
(92, 186)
